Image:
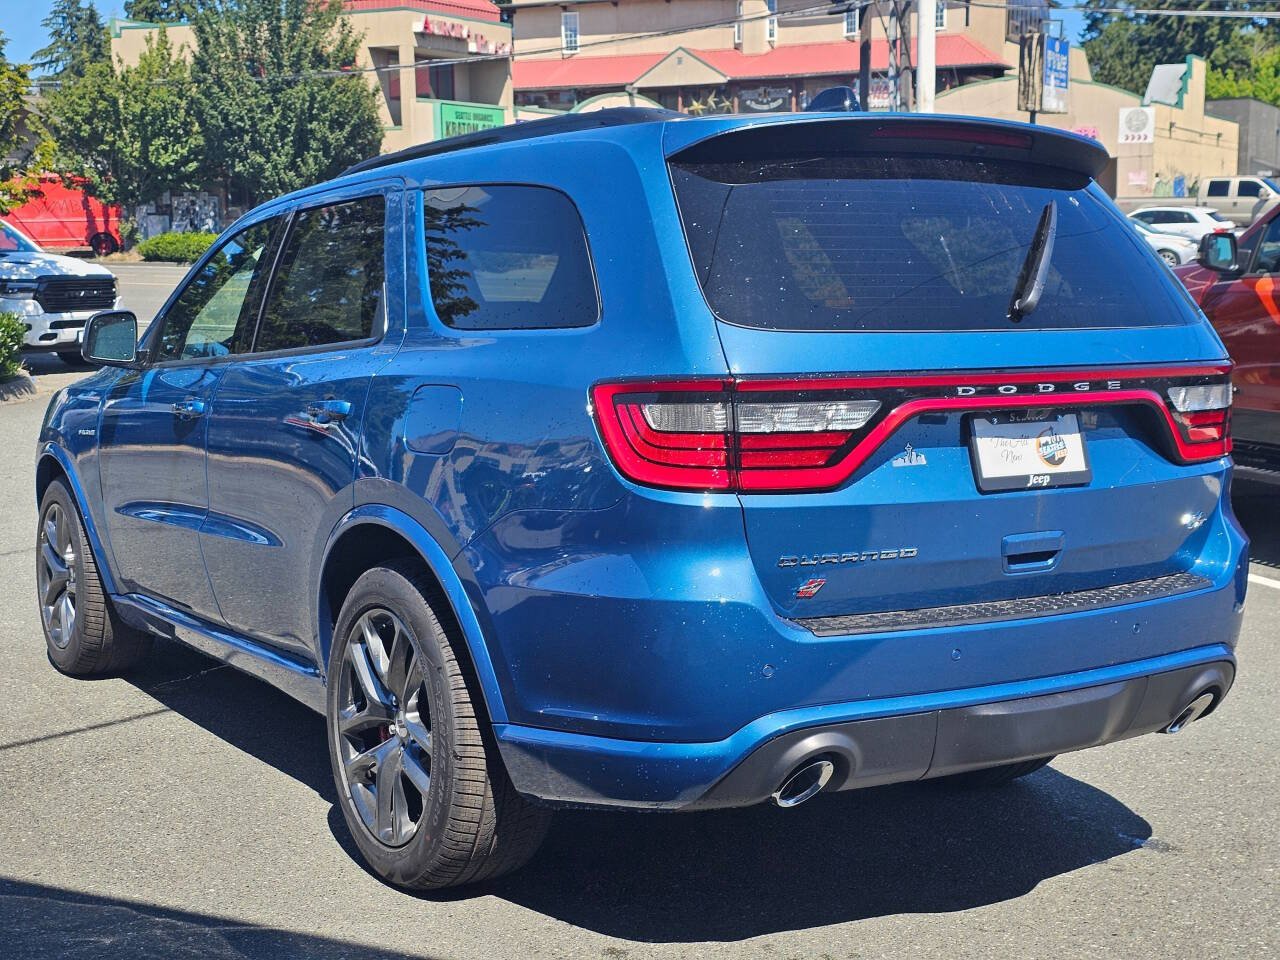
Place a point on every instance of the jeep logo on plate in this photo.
(861, 556)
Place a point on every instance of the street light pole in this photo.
(926, 56)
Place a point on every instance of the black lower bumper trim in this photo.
(1021, 608)
(940, 742)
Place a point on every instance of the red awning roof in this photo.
(552, 73)
(797, 60)
(475, 9)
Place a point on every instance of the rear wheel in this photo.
(419, 780)
(993, 776)
(103, 244)
(83, 635)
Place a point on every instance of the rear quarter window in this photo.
(508, 257)
(908, 243)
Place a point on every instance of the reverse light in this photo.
(1206, 396)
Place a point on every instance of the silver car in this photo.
(1173, 249)
(52, 295)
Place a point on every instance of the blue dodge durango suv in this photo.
(632, 460)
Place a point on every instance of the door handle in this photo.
(328, 411)
(189, 408)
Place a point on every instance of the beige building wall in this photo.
(392, 37)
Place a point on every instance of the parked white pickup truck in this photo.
(1241, 200)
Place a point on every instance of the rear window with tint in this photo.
(508, 257)
(908, 243)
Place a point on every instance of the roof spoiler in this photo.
(869, 133)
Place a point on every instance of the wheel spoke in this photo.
(384, 790)
(399, 660)
(352, 721)
(416, 772)
(67, 614)
(58, 575)
(377, 649)
(358, 766)
(374, 692)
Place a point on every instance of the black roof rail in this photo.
(533, 129)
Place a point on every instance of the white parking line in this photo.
(1264, 581)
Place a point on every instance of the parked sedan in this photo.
(1190, 222)
(1174, 250)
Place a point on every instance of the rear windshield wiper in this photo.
(1026, 295)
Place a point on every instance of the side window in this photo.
(508, 257)
(1269, 249)
(215, 313)
(1218, 188)
(328, 287)
(1181, 217)
(1146, 217)
(1249, 188)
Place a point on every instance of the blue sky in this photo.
(20, 22)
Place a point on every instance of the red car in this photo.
(1237, 285)
(66, 218)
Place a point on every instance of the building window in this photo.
(851, 22)
(569, 32)
(940, 17)
(771, 25)
(737, 27)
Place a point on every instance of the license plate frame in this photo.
(1019, 453)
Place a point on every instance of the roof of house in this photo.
(475, 9)
(794, 60)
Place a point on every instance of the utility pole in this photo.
(926, 55)
(864, 56)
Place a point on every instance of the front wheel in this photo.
(418, 777)
(81, 631)
(1169, 257)
(71, 358)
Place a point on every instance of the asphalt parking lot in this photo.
(188, 810)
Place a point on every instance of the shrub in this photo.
(12, 333)
(177, 247)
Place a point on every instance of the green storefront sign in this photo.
(454, 119)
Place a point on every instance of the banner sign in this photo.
(1057, 68)
(1137, 125)
(455, 119)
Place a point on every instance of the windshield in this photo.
(908, 243)
(11, 241)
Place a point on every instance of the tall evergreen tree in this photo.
(275, 97)
(77, 38)
(161, 11)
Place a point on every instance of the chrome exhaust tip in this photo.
(805, 782)
(1191, 712)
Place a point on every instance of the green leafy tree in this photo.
(161, 11)
(132, 132)
(1124, 48)
(77, 38)
(275, 95)
(18, 128)
(1260, 80)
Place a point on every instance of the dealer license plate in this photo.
(1028, 454)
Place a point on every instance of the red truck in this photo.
(1237, 285)
(58, 217)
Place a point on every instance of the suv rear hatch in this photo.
(862, 272)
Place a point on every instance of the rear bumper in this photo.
(870, 742)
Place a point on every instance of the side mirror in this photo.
(1219, 252)
(111, 339)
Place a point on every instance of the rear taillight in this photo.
(1202, 416)
(778, 435)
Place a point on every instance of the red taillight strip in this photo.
(911, 380)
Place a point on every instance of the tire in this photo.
(69, 590)
(71, 358)
(993, 776)
(103, 244)
(1169, 257)
(452, 816)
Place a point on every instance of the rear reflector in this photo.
(777, 435)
